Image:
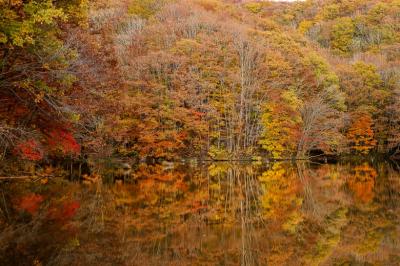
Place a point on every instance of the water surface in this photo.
(208, 214)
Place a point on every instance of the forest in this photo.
(199, 132)
(202, 79)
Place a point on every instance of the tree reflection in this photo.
(361, 182)
(222, 213)
(280, 199)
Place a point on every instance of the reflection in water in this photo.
(217, 214)
(362, 181)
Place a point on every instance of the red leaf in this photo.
(65, 212)
(29, 150)
(30, 203)
(63, 141)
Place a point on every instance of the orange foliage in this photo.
(362, 182)
(361, 134)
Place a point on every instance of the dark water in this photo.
(210, 214)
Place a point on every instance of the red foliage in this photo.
(198, 115)
(20, 111)
(69, 209)
(65, 212)
(30, 203)
(182, 135)
(29, 150)
(63, 141)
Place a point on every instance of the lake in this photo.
(207, 214)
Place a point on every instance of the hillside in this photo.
(200, 78)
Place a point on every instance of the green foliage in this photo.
(342, 35)
(281, 122)
(377, 13)
(218, 153)
(35, 62)
(186, 47)
(254, 7)
(322, 70)
(328, 80)
(349, 26)
(209, 5)
(75, 10)
(32, 31)
(39, 21)
(144, 8)
(371, 87)
(369, 75)
(330, 237)
(330, 12)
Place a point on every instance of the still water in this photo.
(207, 214)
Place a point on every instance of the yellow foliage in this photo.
(329, 239)
(330, 12)
(255, 7)
(209, 5)
(144, 8)
(279, 199)
(281, 123)
(305, 25)
(342, 35)
(185, 47)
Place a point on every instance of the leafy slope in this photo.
(167, 79)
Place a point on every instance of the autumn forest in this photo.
(228, 116)
(209, 79)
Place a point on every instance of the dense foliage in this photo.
(219, 79)
(109, 93)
